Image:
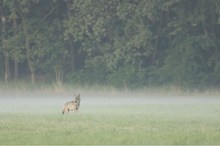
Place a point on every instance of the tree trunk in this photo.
(7, 70)
(59, 74)
(6, 65)
(70, 43)
(16, 68)
(28, 52)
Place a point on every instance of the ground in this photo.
(110, 119)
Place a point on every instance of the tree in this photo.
(4, 19)
(115, 42)
(192, 41)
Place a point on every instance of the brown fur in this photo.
(72, 105)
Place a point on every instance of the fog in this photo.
(92, 100)
(20, 103)
(107, 100)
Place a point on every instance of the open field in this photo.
(115, 120)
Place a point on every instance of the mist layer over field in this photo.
(47, 101)
(110, 118)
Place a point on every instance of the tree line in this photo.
(122, 43)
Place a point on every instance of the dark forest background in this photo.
(119, 43)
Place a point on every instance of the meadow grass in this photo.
(113, 124)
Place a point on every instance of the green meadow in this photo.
(111, 124)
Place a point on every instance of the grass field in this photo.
(133, 123)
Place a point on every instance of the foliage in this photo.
(115, 42)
